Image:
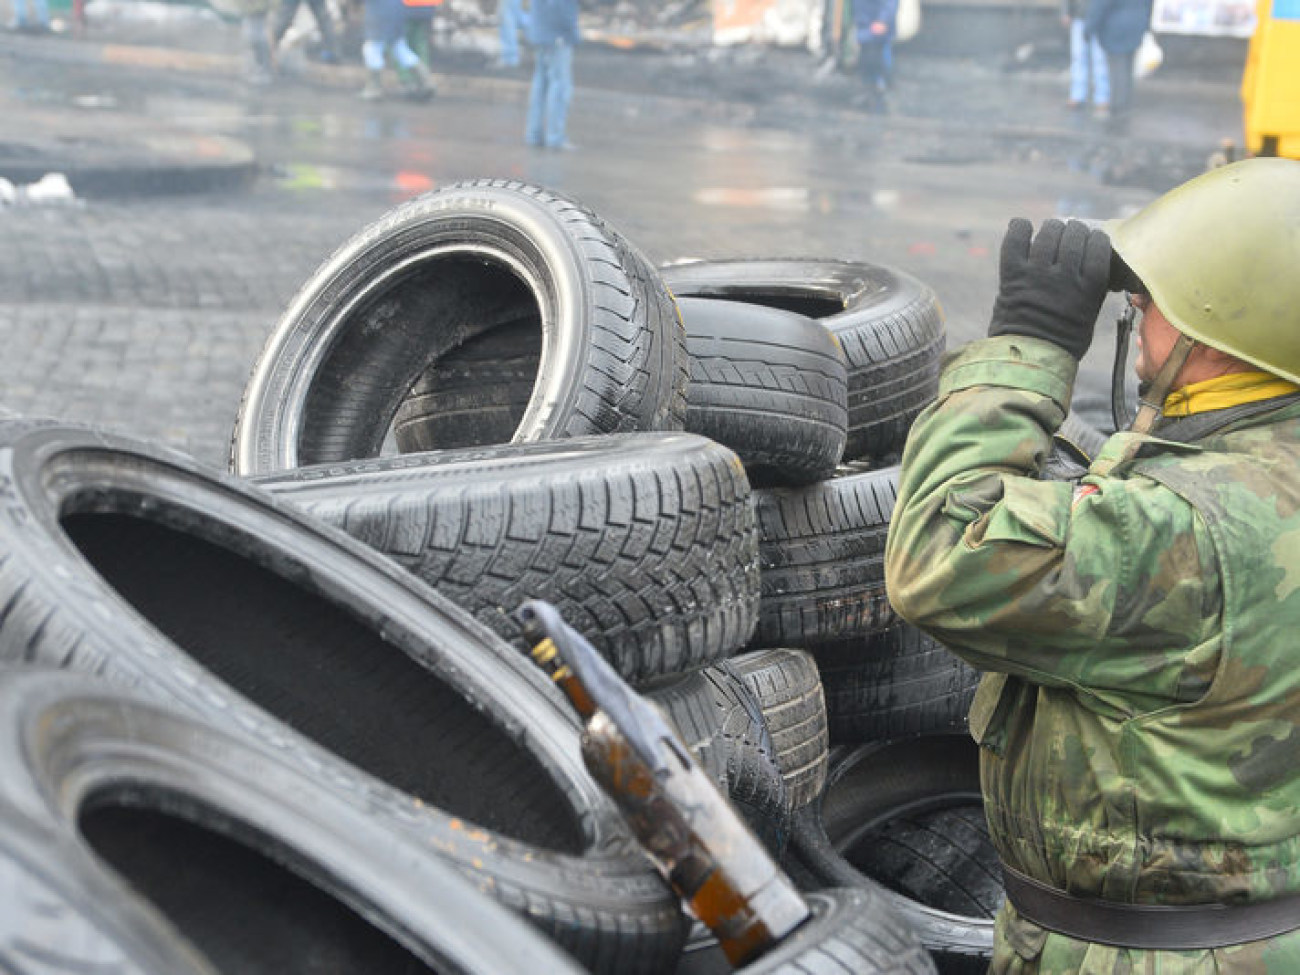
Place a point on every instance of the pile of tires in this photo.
(899, 810)
(283, 713)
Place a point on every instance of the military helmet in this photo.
(1220, 256)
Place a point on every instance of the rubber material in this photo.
(770, 384)
(942, 858)
(893, 684)
(409, 289)
(889, 324)
(786, 684)
(476, 394)
(852, 932)
(723, 725)
(135, 838)
(871, 786)
(646, 543)
(133, 562)
(821, 550)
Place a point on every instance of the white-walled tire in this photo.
(449, 268)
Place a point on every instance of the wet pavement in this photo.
(143, 305)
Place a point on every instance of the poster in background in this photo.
(1208, 18)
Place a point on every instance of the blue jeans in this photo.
(40, 10)
(1087, 61)
(373, 54)
(876, 59)
(548, 102)
(510, 16)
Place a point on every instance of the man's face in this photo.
(1155, 338)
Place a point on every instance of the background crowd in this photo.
(1105, 38)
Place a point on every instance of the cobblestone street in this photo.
(144, 313)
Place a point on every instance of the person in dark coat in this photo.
(1118, 26)
(386, 22)
(873, 22)
(419, 29)
(285, 11)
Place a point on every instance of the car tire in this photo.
(786, 684)
(136, 838)
(893, 684)
(645, 543)
(476, 394)
(821, 551)
(852, 931)
(133, 562)
(942, 858)
(889, 324)
(867, 789)
(445, 268)
(770, 384)
(721, 723)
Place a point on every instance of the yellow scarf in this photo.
(1223, 391)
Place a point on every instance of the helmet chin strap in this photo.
(1152, 397)
(1119, 369)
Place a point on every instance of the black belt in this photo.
(1157, 927)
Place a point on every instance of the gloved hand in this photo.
(1052, 284)
(1122, 277)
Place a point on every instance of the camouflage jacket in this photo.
(1139, 716)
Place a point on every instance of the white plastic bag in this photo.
(1149, 57)
(908, 20)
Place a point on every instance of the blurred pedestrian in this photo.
(253, 14)
(1118, 26)
(1088, 72)
(386, 24)
(874, 22)
(285, 11)
(419, 28)
(552, 30)
(510, 17)
(40, 14)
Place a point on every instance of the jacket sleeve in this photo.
(1108, 583)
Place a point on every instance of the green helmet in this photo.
(1220, 256)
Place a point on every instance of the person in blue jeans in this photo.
(285, 10)
(40, 11)
(385, 26)
(1087, 63)
(510, 17)
(1118, 26)
(552, 30)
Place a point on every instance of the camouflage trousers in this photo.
(1023, 948)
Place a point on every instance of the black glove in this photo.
(1122, 277)
(1052, 287)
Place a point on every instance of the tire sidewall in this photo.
(490, 222)
(69, 741)
(47, 470)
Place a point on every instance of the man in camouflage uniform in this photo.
(1140, 626)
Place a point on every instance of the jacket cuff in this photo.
(1015, 362)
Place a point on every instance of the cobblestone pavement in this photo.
(145, 315)
(148, 319)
